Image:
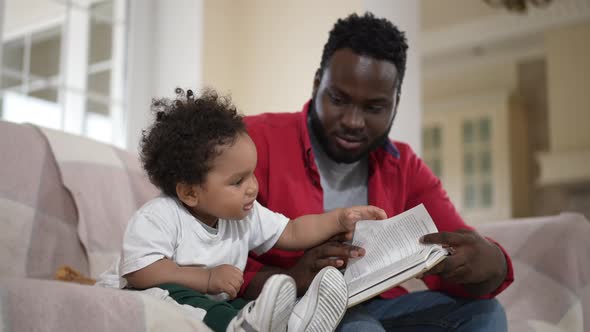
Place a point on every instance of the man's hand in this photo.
(331, 253)
(348, 217)
(474, 262)
(225, 278)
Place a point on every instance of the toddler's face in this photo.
(230, 188)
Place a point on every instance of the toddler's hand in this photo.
(225, 278)
(350, 216)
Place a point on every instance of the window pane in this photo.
(49, 94)
(10, 82)
(45, 53)
(436, 167)
(486, 195)
(100, 83)
(468, 135)
(469, 198)
(436, 137)
(468, 164)
(98, 107)
(13, 53)
(484, 130)
(485, 162)
(101, 29)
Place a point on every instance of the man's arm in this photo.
(478, 267)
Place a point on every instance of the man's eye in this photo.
(374, 109)
(335, 99)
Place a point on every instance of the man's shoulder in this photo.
(399, 151)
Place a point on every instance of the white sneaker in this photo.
(323, 305)
(271, 310)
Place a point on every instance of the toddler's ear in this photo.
(188, 193)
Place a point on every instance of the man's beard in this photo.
(320, 133)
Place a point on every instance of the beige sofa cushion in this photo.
(38, 219)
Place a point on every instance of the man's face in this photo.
(353, 105)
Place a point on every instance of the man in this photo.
(336, 153)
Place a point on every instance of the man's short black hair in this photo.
(369, 36)
(186, 136)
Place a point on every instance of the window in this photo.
(432, 147)
(63, 64)
(473, 151)
(30, 78)
(477, 164)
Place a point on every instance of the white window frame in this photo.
(72, 82)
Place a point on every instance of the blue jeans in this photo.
(425, 311)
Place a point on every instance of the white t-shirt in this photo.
(164, 228)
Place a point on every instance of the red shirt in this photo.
(289, 183)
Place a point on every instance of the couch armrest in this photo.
(43, 305)
(551, 271)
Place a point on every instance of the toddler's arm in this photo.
(311, 230)
(223, 278)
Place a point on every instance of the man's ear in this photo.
(188, 193)
(316, 82)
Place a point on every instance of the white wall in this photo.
(164, 52)
(406, 15)
(568, 73)
(265, 53)
(1, 31)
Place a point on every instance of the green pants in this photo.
(219, 313)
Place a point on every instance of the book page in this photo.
(388, 242)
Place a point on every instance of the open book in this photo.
(393, 253)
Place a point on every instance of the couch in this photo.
(64, 200)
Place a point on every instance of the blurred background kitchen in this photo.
(496, 97)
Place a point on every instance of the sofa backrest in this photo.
(107, 184)
(38, 215)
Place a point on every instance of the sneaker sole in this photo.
(280, 293)
(330, 306)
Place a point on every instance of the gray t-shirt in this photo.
(344, 185)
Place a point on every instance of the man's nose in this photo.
(353, 118)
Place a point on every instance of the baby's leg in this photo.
(219, 313)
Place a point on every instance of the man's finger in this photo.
(322, 263)
(456, 275)
(340, 250)
(340, 237)
(447, 265)
(437, 269)
(448, 238)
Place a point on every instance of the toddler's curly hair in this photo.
(186, 136)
